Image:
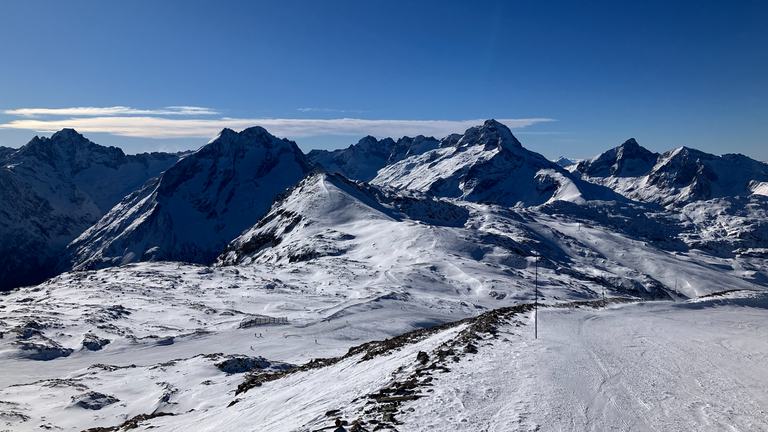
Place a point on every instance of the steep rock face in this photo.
(626, 160)
(407, 146)
(53, 189)
(4, 153)
(68, 162)
(29, 231)
(677, 177)
(195, 208)
(363, 160)
(359, 161)
(488, 163)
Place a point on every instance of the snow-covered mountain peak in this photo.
(53, 190)
(229, 142)
(360, 161)
(490, 135)
(197, 206)
(627, 160)
(329, 215)
(67, 151)
(676, 177)
(487, 163)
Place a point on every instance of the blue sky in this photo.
(571, 78)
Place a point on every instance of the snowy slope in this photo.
(53, 190)
(677, 177)
(420, 241)
(672, 366)
(363, 160)
(695, 366)
(488, 163)
(196, 207)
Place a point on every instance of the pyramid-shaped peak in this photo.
(492, 125)
(490, 134)
(68, 134)
(630, 159)
(370, 140)
(631, 149)
(630, 143)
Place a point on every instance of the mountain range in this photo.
(193, 209)
(69, 203)
(53, 189)
(412, 284)
(676, 177)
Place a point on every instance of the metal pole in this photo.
(536, 300)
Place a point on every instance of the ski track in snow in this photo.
(642, 367)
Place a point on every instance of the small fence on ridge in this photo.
(262, 320)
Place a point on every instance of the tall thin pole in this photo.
(536, 300)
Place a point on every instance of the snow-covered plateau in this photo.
(406, 303)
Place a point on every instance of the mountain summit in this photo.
(626, 160)
(676, 177)
(196, 207)
(487, 163)
(53, 189)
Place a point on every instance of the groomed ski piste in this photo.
(446, 288)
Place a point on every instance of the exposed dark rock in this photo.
(93, 342)
(94, 400)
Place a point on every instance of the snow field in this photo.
(699, 366)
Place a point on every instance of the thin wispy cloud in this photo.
(126, 121)
(329, 110)
(540, 133)
(110, 111)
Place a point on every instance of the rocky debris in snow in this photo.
(110, 368)
(109, 313)
(168, 340)
(42, 348)
(239, 364)
(93, 342)
(132, 423)
(94, 400)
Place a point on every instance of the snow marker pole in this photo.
(536, 300)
